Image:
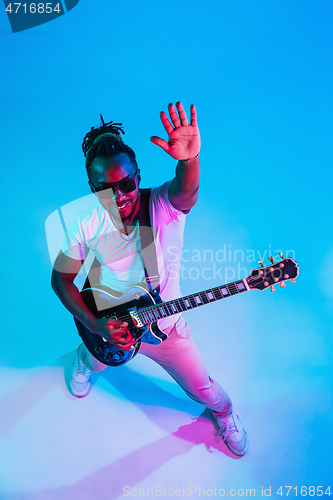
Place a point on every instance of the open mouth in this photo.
(123, 205)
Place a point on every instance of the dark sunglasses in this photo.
(125, 186)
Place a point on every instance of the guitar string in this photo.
(168, 305)
(191, 301)
(192, 296)
(128, 317)
(202, 294)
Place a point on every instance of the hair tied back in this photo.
(105, 128)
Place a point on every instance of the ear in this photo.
(139, 176)
(92, 189)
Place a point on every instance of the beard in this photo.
(126, 220)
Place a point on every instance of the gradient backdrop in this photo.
(260, 74)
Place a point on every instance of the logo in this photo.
(23, 16)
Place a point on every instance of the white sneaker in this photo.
(232, 433)
(79, 380)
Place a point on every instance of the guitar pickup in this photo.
(135, 317)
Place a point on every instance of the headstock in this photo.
(265, 277)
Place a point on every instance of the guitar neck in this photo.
(176, 306)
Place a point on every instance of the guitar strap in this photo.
(148, 247)
(148, 250)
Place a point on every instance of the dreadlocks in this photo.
(105, 141)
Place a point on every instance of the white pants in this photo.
(180, 357)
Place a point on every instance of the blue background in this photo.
(260, 74)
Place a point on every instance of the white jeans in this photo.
(180, 357)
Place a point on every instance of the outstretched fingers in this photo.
(173, 115)
(182, 114)
(167, 125)
(193, 115)
(177, 121)
(160, 142)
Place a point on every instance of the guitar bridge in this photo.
(135, 317)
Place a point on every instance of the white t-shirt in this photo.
(120, 255)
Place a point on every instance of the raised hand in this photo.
(184, 138)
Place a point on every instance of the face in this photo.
(106, 171)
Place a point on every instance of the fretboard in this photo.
(176, 306)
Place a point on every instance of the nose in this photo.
(117, 193)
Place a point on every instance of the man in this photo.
(110, 230)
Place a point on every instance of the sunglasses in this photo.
(125, 186)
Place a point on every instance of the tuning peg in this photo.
(271, 260)
(261, 262)
(282, 284)
(272, 288)
(293, 281)
(281, 255)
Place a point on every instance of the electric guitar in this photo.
(142, 309)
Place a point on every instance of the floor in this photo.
(138, 434)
